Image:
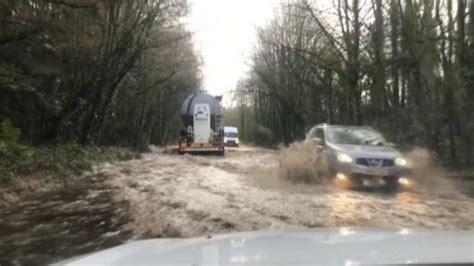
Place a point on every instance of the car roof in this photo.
(341, 126)
(351, 126)
(231, 128)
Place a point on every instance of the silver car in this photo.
(359, 156)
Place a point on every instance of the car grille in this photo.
(369, 162)
(364, 176)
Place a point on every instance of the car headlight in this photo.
(401, 161)
(344, 158)
(404, 181)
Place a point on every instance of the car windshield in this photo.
(231, 135)
(355, 136)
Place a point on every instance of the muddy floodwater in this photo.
(168, 195)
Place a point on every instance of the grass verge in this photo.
(27, 171)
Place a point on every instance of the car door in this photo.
(322, 161)
(310, 135)
(319, 133)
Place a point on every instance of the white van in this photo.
(231, 136)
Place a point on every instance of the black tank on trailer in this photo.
(202, 97)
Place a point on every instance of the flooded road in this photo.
(58, 225)
(168, 195)
(186, 196)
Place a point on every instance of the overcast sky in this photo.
(224, 34)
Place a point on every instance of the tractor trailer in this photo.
(202, 116)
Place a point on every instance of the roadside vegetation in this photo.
(84, 82)
(27, 170)
(96, 72)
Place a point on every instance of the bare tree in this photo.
(407, 75)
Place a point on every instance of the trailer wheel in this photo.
(181, 152)
(221, 152)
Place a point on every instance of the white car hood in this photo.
(343, 246)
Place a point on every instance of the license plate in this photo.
(380, 172)
(375, 172)
(373, 182)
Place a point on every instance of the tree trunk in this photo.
(395, 24)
